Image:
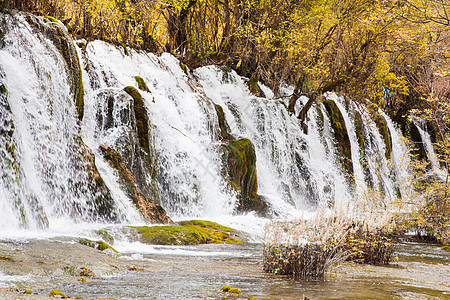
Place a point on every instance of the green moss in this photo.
(141, 84)
(446, 248)
(224, 128)
(7, 258)
(140, 113)
(54, 293)
(85, 272)
(207, 224)
(226, 288)
(100, 245)
(187, 233)
(383, 128)
(28, 292)
(106, 236)
(241, 169)
(79, 100)
(341, 135)
(255, 89)
(235, 291)
(3, 89)
(52, 19)
(183, 67)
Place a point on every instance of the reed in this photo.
(309, 248)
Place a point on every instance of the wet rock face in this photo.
(383, 128)
(57, 33)
(103, 206)
(150, 208)
(240, 159)
(418, 149)
(123, 123)
(341, 135)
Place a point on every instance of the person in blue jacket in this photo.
(387, 96)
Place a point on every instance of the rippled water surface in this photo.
(422, 272)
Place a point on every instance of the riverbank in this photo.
(198, 272)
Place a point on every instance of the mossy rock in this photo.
(255, 89)
(85, 272)
(151, 210)
(100, 245)
(183, 67)
(58, 34)
(141, 84)
(58, 293)
(240, 162)
(140, 113)
(223, 125)
(226, 288)
(106, 236)
(341, 135)
(52, 19)
(359, 128)
(234, 291)
(3, 89)
(6, 258)
(187, 233)
(207, 224)
(383, 128)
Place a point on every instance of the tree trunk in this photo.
(304, 112)
(177, 27)
(296, 94)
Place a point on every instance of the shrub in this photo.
(309, 248)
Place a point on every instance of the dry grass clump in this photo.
(305, 247)
(309, 248)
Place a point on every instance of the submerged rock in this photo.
(57, 293)
(100, 245)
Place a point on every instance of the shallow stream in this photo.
(198, 272)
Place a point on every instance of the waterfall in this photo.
(54, 168)
(294, 168)
(421, 126)
(46, 169)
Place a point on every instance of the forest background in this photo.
(393, 53)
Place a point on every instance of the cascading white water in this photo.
(358, 170)
(44, 179)
(421, 126)
(45, 167)
(183, 120)
(293, 168)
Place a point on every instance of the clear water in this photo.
(198, 272)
